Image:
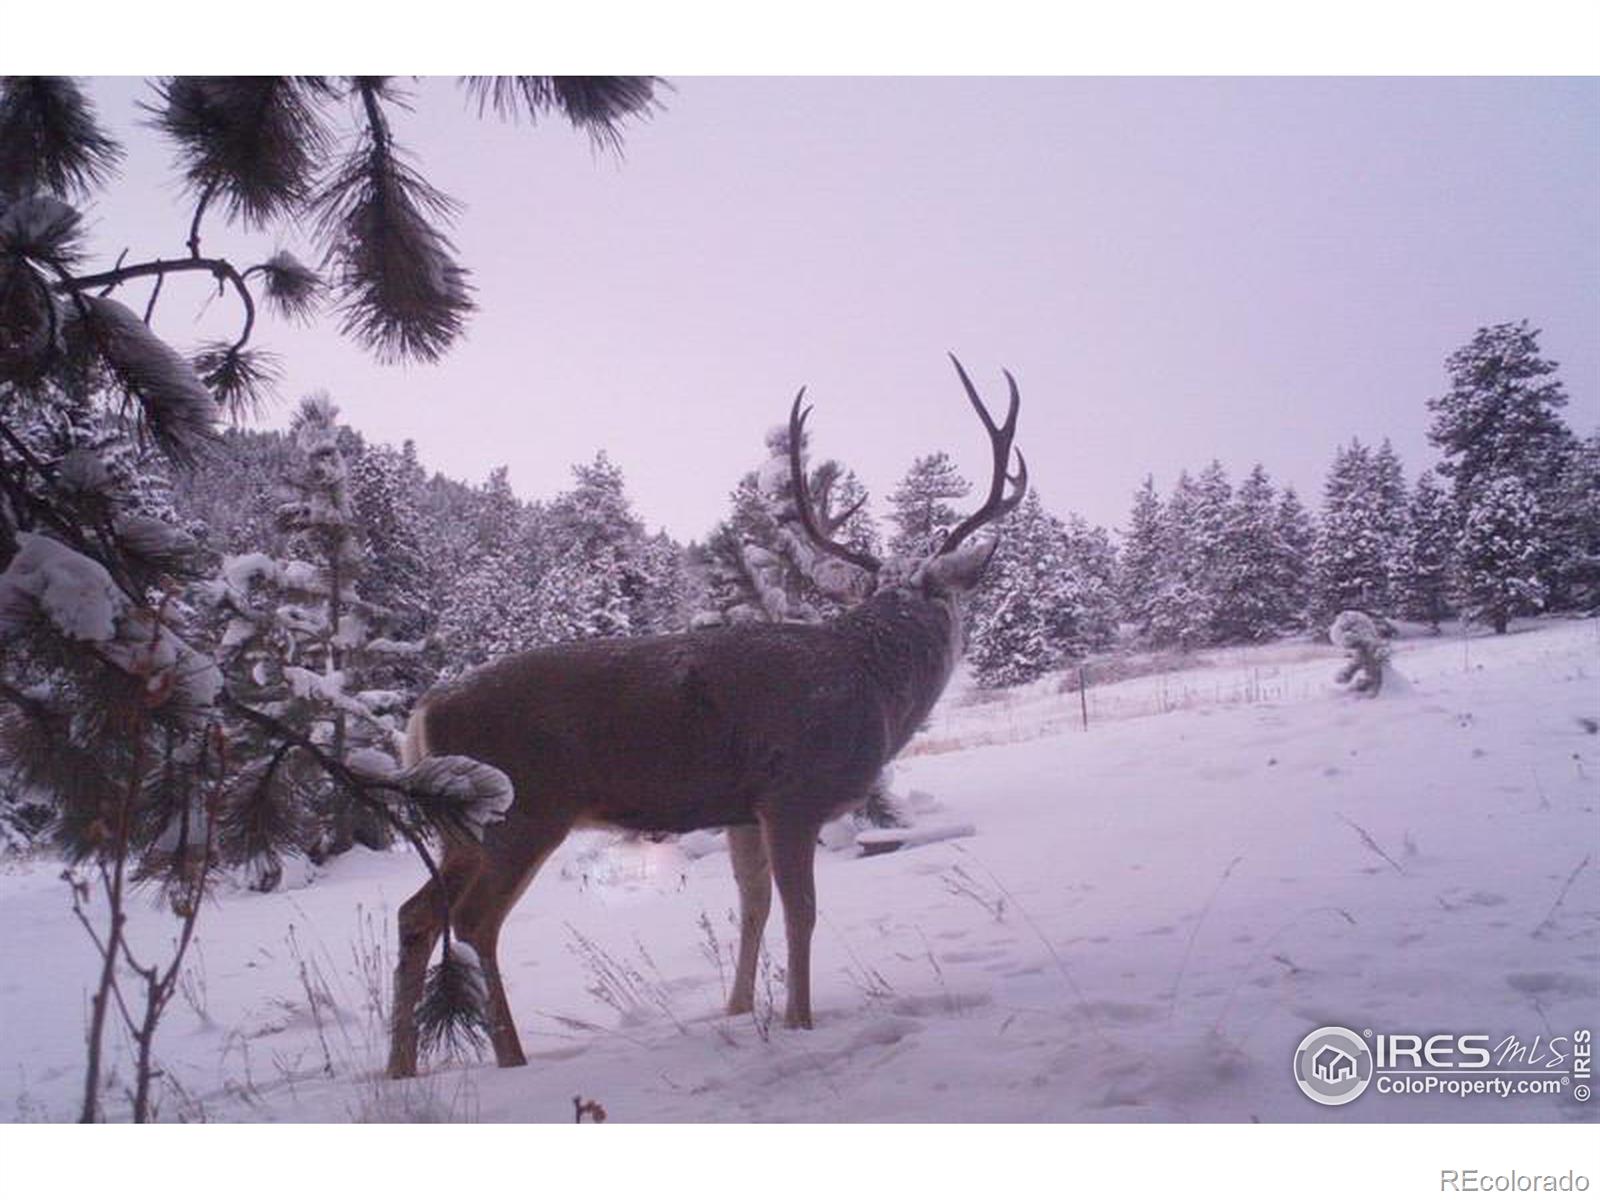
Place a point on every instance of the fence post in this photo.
(1083, 696)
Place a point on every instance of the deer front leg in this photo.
(751, 872)
(481, 913)
(791, 848)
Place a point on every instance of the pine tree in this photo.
(918, 506)
(1425, 569)
(1091, 563)
(1391, 514)
(663, 606)
(1501, 415)
(581, 596)
(1254, 603)
(1351, 559)
(386, 515)
(1180, 612)
(1499, 552)
(1047, 597)
(1574, 529)
(140, 763)
(305, 646)
(1143, 564)
(605, 578)
(760, 564)
(1297, 538)
(1194, 521)
(487, 608)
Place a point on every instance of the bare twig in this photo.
(1371, 843)
(1550, 917)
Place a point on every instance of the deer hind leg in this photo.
(477, 919)
(754, 877)
(421, 923)
(791, 848)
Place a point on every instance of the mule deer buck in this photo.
(767, 729)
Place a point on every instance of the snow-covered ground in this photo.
(1146, 920)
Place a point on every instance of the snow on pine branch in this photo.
(78, 597)
(73, 592)
(448, 791)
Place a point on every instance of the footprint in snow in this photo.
(1557, 984)
(971, 956)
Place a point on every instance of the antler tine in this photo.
(997, 504)
(844, 519)
(802, 495)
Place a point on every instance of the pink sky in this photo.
(1252, 269)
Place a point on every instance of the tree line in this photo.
(1507, 522)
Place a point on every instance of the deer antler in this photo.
(802, 496)
(998, 503)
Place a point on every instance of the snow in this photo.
(1145, 920)
(74, 593)
(240, 571)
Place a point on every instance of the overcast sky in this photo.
(1175, 270)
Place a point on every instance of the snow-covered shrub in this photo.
(1356, 633)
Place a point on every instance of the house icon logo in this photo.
(1333, 1065)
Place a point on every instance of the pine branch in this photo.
(49, 139)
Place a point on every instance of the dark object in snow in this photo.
(1355, 632)
(769, 730)
(885, 841)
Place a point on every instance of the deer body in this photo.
(688, 731)
(769, 730)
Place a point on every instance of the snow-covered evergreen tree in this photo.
(1499, 552)
(104, 700)
(1092, 581)
(1351, 561)
(919, 505)
(305, 646)
(1574, 529)
(1297, 538)
(1048, 597)
(1391, 513)
(582, 595)
(487, 608)
(106, 680)
(1253, 604)
(1143, 565)
(1501, 415)
(386, 515)
(1424, 573)
(759, 563)
(663, 605)
(1181, 611)
(604, 577)
(1194, 523)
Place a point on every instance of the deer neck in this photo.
(909, 644)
